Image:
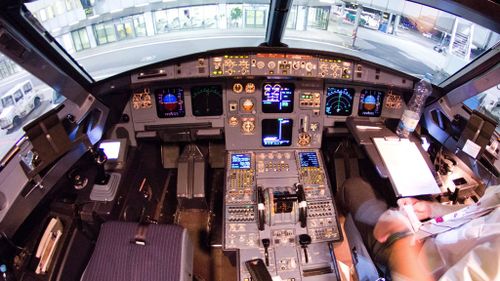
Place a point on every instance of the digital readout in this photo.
(240, 161)
(308, 159)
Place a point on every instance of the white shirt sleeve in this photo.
(481, 263)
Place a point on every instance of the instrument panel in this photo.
(278, 207)
(262, 100)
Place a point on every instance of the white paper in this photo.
(471, 148)
(408, 171)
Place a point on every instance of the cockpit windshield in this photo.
(108, 37)
(403, 35)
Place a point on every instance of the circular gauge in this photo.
(261, 64)
(268, 88)
(237, 88)
(271, 65)
(250, 88)
(170, 102)
(369, 103)
(276, 88)
(339, 101)
(247, 105)
(206, 100)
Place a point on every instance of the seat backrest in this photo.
(166, 255)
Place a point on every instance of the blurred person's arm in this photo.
(427, 209)
(392, 229)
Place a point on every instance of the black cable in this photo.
(10, 241)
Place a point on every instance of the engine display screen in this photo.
(277, 132)
(206, 100)
(240, 161)
(339, 101)
(308, 159)
(370, 103)
(277, 98)
(170, 102)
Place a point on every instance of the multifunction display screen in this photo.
(206, 100)
(308, 159)
(370, 103)
(277, 98)
(339, 101)
(170, 102)
(277, 132)
(240, 161)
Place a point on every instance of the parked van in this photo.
(17, 103)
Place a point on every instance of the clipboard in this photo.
(408, 171)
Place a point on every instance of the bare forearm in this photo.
(403, 259)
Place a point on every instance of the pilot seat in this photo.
(129, 251)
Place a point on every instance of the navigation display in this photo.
(277, 132)
(277, 98)
(370, 103)
(170, 102)
(339, 101)
(206, 100)
(308, 159)
(240, 161)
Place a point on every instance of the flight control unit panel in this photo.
(278, 207)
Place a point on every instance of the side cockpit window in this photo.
(488, 103)
(23, 99)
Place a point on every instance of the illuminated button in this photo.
(287, 155)
(233, 121)
(248, 126)
(309, 66)
(270, 155)
(250, 88)
(279, 155)
(237, 88)
(247, 105)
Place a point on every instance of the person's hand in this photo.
(391, 221)
(422, 208)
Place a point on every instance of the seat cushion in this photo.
(116, 258)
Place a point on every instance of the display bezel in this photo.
(265, 126)
(236, 165)
(221, 106)
(367, 113)
(164, 113)
(350, 91)
(271, 107)
(309, 164)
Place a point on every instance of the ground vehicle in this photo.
(167, 94)
(17, 103)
